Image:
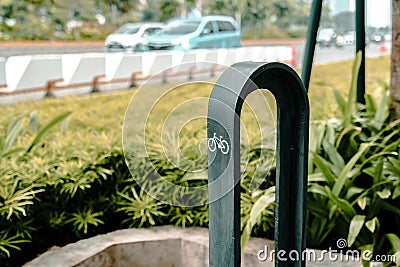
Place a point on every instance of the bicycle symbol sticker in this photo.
(215, 142)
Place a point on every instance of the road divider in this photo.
(78, 74)
(24, 78)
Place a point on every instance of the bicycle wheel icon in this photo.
(224, 147)
(212, 145)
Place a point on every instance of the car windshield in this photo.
(181, 27)
(129, 29)
(325, 32)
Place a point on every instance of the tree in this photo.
(395, 58)
(169, 9)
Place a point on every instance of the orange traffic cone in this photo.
(382, 47)
(293, 60)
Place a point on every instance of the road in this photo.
(322, 55)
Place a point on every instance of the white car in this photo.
(130, 36)
(350, 38)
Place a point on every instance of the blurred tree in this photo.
(345, 21)
(113, 10)
(151, 11)
(169, 9)
(281, 13)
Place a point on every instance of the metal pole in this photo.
(360, 46)
(312, 31)
(223, 131)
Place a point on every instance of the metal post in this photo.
(312, 31)
(360, 46)
(223, 130)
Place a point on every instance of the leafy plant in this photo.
(15, 128)
(83, 219)
(17, 194)
(141, 209)
(354, 187)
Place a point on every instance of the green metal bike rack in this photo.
(223, 129)
(312, 31)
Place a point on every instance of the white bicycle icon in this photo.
(215, 142)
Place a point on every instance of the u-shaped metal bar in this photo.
(223, 124)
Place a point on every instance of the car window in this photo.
(225, 26)
(181, 27)
(150, 31)
(129, 29)
(209, 28)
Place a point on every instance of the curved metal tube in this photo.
(224, 110)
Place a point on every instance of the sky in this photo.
(378, 13)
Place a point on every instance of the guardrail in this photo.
(25, 78)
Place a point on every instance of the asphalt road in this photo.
(322, 55)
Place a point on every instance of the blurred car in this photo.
(378, 36)
(130, 36)
(388, 36)
(350, 38)
(195, 33)
(327, 37)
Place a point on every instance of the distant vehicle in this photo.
(195, 33)
(350, 38)
(130, 36)
(380, 36)
(327, 37)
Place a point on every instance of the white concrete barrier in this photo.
(258, 54)
(78, 74)
(156, 62)
(183, 61)
(243, 54)
(26, 77)
(31, 72)
(205, 59)
(226, 57)
(2, 72)
(59, 75)
(119, 68)
(284, 53)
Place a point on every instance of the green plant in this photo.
(82, 219)
(18, 192)
(354, 188)
(15, 127)
(140, 209)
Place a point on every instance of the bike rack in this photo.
(312, 31)
(223, 121)
(225, 105)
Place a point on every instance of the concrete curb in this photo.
(157, 246)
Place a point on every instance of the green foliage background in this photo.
(51, 19)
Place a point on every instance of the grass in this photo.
(101, 116)
(326, 78)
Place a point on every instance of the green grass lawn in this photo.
(98, 119)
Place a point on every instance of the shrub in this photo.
(354, 183)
